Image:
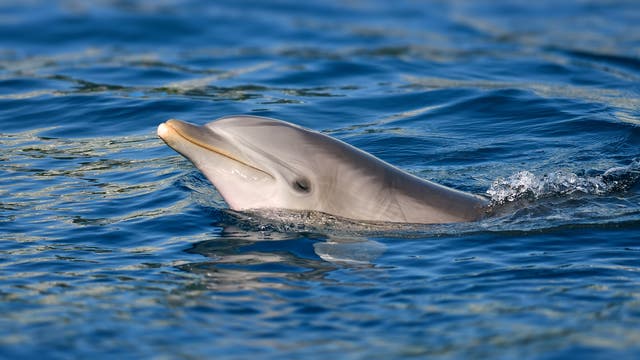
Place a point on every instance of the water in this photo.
(112, 245)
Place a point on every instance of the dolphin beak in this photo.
(176, 133)
(164, 130)
(175, 129)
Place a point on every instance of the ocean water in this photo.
(114, 246)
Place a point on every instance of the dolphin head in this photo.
(258, 163)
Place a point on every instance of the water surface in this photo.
(112, 245)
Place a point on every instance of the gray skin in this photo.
(262, 163)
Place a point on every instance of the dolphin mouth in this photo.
(173, 131)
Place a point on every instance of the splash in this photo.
(525, 185)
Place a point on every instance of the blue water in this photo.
(112, 245)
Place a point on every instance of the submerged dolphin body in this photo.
(258, 163)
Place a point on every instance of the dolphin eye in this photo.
(302, 185)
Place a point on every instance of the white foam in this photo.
(526, 185)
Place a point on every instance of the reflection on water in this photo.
(245, 265)
(242, 258)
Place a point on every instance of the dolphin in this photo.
(263, 163)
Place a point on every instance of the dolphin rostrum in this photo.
(259, 163)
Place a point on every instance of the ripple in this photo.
(115, 246)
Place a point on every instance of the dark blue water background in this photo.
(112, 245)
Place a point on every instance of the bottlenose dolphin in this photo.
(260, 163)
